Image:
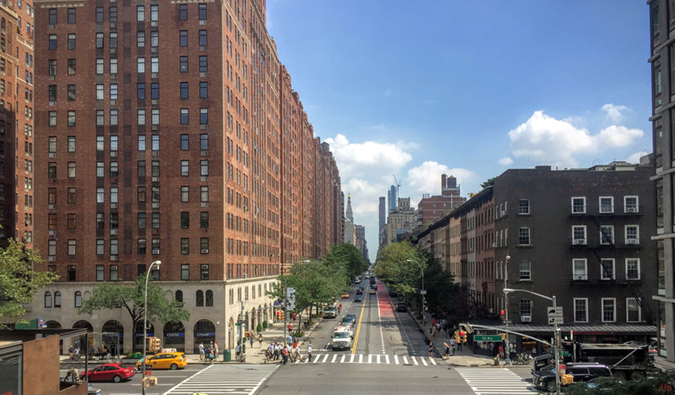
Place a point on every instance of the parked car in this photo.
(581, 372)
(168, 360)
(402, 306)
(110, 372)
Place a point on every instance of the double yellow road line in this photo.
(358, 327)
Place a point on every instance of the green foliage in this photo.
(489, 182)
(259, 328)
(130, 296)
(19, 281)
(397, 272)
(264, 325)
(349, 258)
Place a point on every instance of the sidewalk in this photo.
(462, 357)
(254, 355)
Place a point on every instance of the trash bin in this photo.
(227, 356)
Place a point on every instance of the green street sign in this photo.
(565, 353)
(487, 338)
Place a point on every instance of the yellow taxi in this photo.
(345, 295)
(164, 360)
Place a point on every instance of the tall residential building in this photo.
(662, 59)
(170, 131)
(401, 220)
(361, 243)
(382, 221)
(16, 121)
(432, 208)
(393, 197)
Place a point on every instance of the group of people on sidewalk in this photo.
(208, 353)
(277, 352)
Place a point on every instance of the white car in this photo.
(342, 339)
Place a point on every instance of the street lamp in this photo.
(424, 315)
(145, 319)
(506, 294)
(556, 334)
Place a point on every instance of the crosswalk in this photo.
(382, 359)
(485, 381)
(225, 379)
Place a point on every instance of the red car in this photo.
(111, 372)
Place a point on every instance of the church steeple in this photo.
(350, 214)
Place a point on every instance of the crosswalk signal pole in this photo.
(285, 303)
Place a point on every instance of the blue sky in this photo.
(419, 88)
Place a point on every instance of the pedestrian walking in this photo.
(201, 351)
(237, 351)
(289, 339)
(276, 351)
(431, 349)
(251, 339)
(260, 339)
(285, 355)
(447, 351)
(452, 345)
(215, 350)
(309, 352)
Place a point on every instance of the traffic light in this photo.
(458, 339)
(281, 315)
(462, 336)
(426, 306)
(154, 344)
(503, 336)
(503, 315)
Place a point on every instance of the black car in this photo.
(358, 298)
(359, 291)
(582, 372)
(401, 306)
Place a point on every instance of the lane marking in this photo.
(358, 328)
(433, 361)
(179, 384)
(424, 362)
(405, 360)
(378, 358)
(396, 359)
(325, 358)
(414, 360)
(343, 358)
(386, 357)
(334, 358)
(351, 360)
(370, 358)
(360, 358)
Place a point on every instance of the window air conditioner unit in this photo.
(155, 179)
(632, 241)
(113, 257)
(204, 250)
(113, 232)
(631, 209)
(580, 277)
(155, 251)
(52, 258)
(579, 242)
(155, 205)
(525, 318)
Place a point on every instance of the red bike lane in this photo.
(384, 303)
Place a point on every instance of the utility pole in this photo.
(285, 303)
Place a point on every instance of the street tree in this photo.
(19, 280)
(400, 266)
(347, 256)
(108, 296)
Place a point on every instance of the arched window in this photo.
(200, 298)
(179, 296)
(48, 300)
(57, 299)
(209, 298)
(78, 299)
(2, 25)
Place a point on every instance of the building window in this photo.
(183, 38)
(204, 220)
(185, 168)
(203, 64)
(203, 168)
(154, 38)
(72, 16)
(184, 64)
(140, 39)
(632, 268)
(53, 16)
(114, 273)
(141, 246)
(203, 142)
(523, 207)
(154, 117)
(154, 91)
(204, 194)
(113, 91)
(633, 311)
(71, 41)
(203, 89)
(100, 273)
(140, 117)
(185, 220)
(204, 272)
(72, 167)
(71, 275)
(155, 246)
(154, 13)
(200, 298)
(607, 269)
(632, 234)
(140, 220)
(202, 38)
(204, 245)
(140, 91)
(57, 299)
(72, 244)
(100, 247)
(72, 118)
(209, 298)
(113, 117)
(99, 40)
(155, 221)
(579, 269)
(140, 65)
(606, 204)
(140, 13)
(100, 195)
(578, 205)
(607, 234)
(526, 270)
(72, 221)
(608, 310)
(48, 300)
(184, 90)
(185, 194)
(51, 248)
(114, 247)
(524, 236)
(185, 272)
(630, 204)
(203, 116)
(141, 142)
(182, 12)
(78, 299)
(52, 92)
(579, 235)
(184, 142)
(154, 64)
(184, 118)
(185, 246)
(99, 15)
(580, 310)
(202, 12)
(52, 42)
(526, 307)
(113, 40)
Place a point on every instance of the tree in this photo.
(396, 271)
(349, 257)
(489, 182)
(131, 297)
(19, 281)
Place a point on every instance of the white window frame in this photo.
(602, 309)
(575, 275)
(602, 272)
(574, 304)
(637, 204)
(639, 310)
(611, 204)
(639, 274)
(528, 207)
(636, 239)
(529, 271)
(572, 205)
(602, 240)
(584, 240)
(529, 236)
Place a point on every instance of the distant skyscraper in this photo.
(383, 219)
(393, 198)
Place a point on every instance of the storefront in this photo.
(174, 336)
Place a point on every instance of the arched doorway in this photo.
(83, 324)
(138, 335)
(53, 324)
(78, 341)
(174, 336)
(113, 336)
(205, 332)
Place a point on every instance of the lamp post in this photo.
(424, 315)
(506, 294)
(556, 334)
(145, 319)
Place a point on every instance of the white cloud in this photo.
(369, 160)
(506, 161)
(635, 158)
(426, 178)
(387, 93)
(551, 141)
(614, 112)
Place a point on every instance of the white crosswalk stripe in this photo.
(375, 359)
(495, 381)
(225, 379)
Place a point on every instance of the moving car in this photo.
(345, 295)
(330, 312)
(358, 298)
(111, 372)
(581, 372)
(401, 306)
(165, 360)
(359, 291)
(372, 291)
(342, 339)
(349, 319)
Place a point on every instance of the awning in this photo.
(580, 329)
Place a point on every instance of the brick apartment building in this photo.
(170, 131)
(433, 208)
(16, 121)
(583, 235)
